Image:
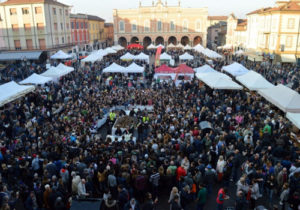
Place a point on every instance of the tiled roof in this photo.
(288, 6)
(217, 17)
(94, 17)
(17, 2)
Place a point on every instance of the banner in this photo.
(157, 56)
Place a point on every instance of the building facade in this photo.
(276, 30)
(216, 31)
(34, 24)
(96, 31)
(109, 34)
(160, 24)
(80, 31)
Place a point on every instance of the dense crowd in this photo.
(51, 153)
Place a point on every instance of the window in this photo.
(29, 44)
(25, 11)
(159, 25)
(93, 26)
(61, 26)
(38, 10)
(77, 25)
(66, 12)
(133, 26)
(60, 11)
(40, 26)
(184, 25)
(289, 41)
(15, 27)
(13, 11)
(63, 40)
(291, 23)
(27, 27)
(147, 26)
(17, 44)
(68, 25)
(54, 11)
(172, 26)
(198, 25)
(55, 26)
(121, 26)
(86, 25)
(72, 25)
(81, 25)
(42, 44)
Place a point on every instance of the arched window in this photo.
(121, 26)
(133, 26)
(147, 26)
(185, 25)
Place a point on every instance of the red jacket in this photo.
(221, 196)
(180, 172)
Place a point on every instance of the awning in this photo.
(12, 56)
(288, 58)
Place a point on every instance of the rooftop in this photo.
(94, 17)
(285, 6)
(217, 18)
(17, 2)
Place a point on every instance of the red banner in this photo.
(157, 57)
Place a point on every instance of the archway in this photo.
(197, 40)
(134, 40)
(185, 40)
(173, 40)
(122, 41)
(147, 41)
(159, 40)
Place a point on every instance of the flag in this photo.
(157, 56)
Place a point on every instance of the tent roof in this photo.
(96, 56)
(9, 56)
(109, 50)
(114, 68)
(205, 69)
(198, 48)
(127, 56)
(164, 69)
(283, 97)
(142, 56)
(235, 69)
(171, 45)
(36, 79)
(64, 67)
(184, 69)
(134, 68)
(151, 46)
(117, 47)
(61, 55)
(187, 47)
(165, 56)
(212, 74)
(294, 118)
(56, 72)
(186, 56)
(218, 81)
(254, 81)
(179, 45)
(136, 46)
(160, 45)
(11, 91)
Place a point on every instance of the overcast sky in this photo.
(103, 8)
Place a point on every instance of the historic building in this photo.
(236, 32)
(160, 24)
(109, 34)
(275, 30)
(80, 31)
(34, 24)
(216, 31)
(96, 31)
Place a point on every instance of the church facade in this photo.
(160, 24)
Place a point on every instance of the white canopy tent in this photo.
(179, 46)
(61, 55)
(171, 45)
(127, 56)
(186, 56)
(205, 69)
(117, 47)
(187, 47)
(218, 81)
(64, 67)
(294, 118)
(254, 81)
(11, 91)
(102, 52)
(134, 68)
(239, 52)
(142, 56)
(95, 56)
(198, 48)
(165, 56)
(151, 47)
(36, 79)
(235, 69)
(109, 50)
(114, 68)
(160, 45)
(283, 97)
(55, 72)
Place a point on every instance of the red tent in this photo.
(135, 46)
(184, 69)
(164, 69)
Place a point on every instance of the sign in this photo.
(157, 56)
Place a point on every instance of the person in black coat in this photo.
(175, 204)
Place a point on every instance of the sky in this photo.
(103, 8)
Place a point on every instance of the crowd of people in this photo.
(51, 153)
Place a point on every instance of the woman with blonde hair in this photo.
(173, 193)
(220, 167)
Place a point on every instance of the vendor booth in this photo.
(114, 68)
(36, 79)
(205, 69)
(254, 81)
(142, 57)
(127, 57)
(55, 72)
(235, 69)
(60, 55)
(218, 81)
(186, 56)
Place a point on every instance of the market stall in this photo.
(165, 58)
(127, 57)
(199, 48)
(11, 91)
(235, 69)
(218, 81)
(142, 56)
(283, 97)
(135, 46)
(109, 50)
(187, 47)
(151, 47)
(114, 68)
(55, 72)
(60, 55)
(186, 56)
(117, 48)
(294, 118)
(134, 68)
(254, 81)
(36, 79)
(205, 69)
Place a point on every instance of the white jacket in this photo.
(220, 166)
